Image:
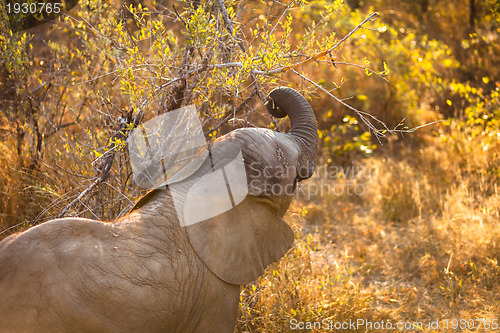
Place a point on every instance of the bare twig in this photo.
(360, 66)
(379, 133)
(282, 15)
(80, 196)
(361, 114)
(179, 16)
(232, 114)
(110, 154)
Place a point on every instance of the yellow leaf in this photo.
(386, 69)
(448, 102)
(486, 79)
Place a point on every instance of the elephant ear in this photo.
(238, 245)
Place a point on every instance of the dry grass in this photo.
(421, 243)
(24, 192)
(12, 195)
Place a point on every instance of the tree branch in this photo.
(110, 154)
(232, 114)
(320, 54)
(230, 29)
(379, 133)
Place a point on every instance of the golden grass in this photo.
(11, 195)
(21, 197)
(422, 243)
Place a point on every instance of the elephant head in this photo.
(249, 234)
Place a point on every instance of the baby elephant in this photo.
(151, 271)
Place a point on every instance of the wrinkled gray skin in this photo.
(146, 273)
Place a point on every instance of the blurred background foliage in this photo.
(421, 241)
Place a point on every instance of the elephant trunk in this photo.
(285, 101)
